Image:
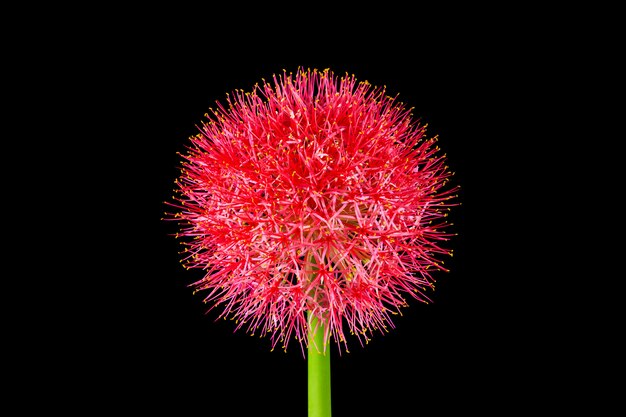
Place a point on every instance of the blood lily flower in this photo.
(313, 199)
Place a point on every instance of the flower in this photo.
(313, 193)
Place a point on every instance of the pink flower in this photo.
(313, 193)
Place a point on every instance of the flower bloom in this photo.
(313, 193)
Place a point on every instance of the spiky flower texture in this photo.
(313, 194)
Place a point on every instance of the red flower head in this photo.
(313, 194)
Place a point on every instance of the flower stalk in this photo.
(318, 359)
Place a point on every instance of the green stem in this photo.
(319, 371)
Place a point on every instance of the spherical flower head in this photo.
(313, 194)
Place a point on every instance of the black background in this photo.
(145, 343)
(101, 318)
